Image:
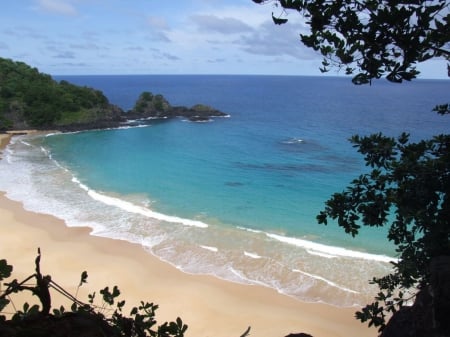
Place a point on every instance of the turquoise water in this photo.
(236, 197)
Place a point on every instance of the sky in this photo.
(87, 37)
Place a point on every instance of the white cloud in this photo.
(156, 36)
(212, 23)
(271, 40)
(65, 55)
(63, 7)
(86, 46)
(252, 15)
(134, 48)
(157, 22)
(170, 57)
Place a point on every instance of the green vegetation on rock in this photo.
(29, 98)
(149, 105)
(155, 105)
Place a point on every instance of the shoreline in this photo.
(208, 305)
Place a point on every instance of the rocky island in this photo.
(32, 100)
(156, 106)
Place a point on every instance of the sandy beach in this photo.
(210, 307)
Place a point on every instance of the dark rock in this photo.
(440, 285)
(429, 316)
(156, 106)
(412, 321)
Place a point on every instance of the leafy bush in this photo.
(88, 319)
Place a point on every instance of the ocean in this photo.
(236, 197)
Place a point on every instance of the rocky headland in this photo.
(147, 107)
(33, 100)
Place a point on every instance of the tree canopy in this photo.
(35, 99)
(373, 38)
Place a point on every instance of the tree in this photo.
(373, 38)
(83, 319)
(409, 184)
(407, 188)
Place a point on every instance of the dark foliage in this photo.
(83, 319)
(407, 190)
(370, 39)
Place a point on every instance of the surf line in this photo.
(330, 250)
(317, 277)
(132, 208)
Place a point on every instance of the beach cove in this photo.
(234, 199)
(210, 306)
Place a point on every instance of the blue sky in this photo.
(158, 37)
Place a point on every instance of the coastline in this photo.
(208, 305)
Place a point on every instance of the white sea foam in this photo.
(212, 249)
(51, 134)
(151, 241)
(328, 256)
(43, 149)
(8, 155)
(252, 255)
(132, 208)
(330, 250)
(132, 126)
(244, 279)
(249, 229)
(317, 277)
(322, 250)
(293, 141)
(82, 186)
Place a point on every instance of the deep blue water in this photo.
(236, 197)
